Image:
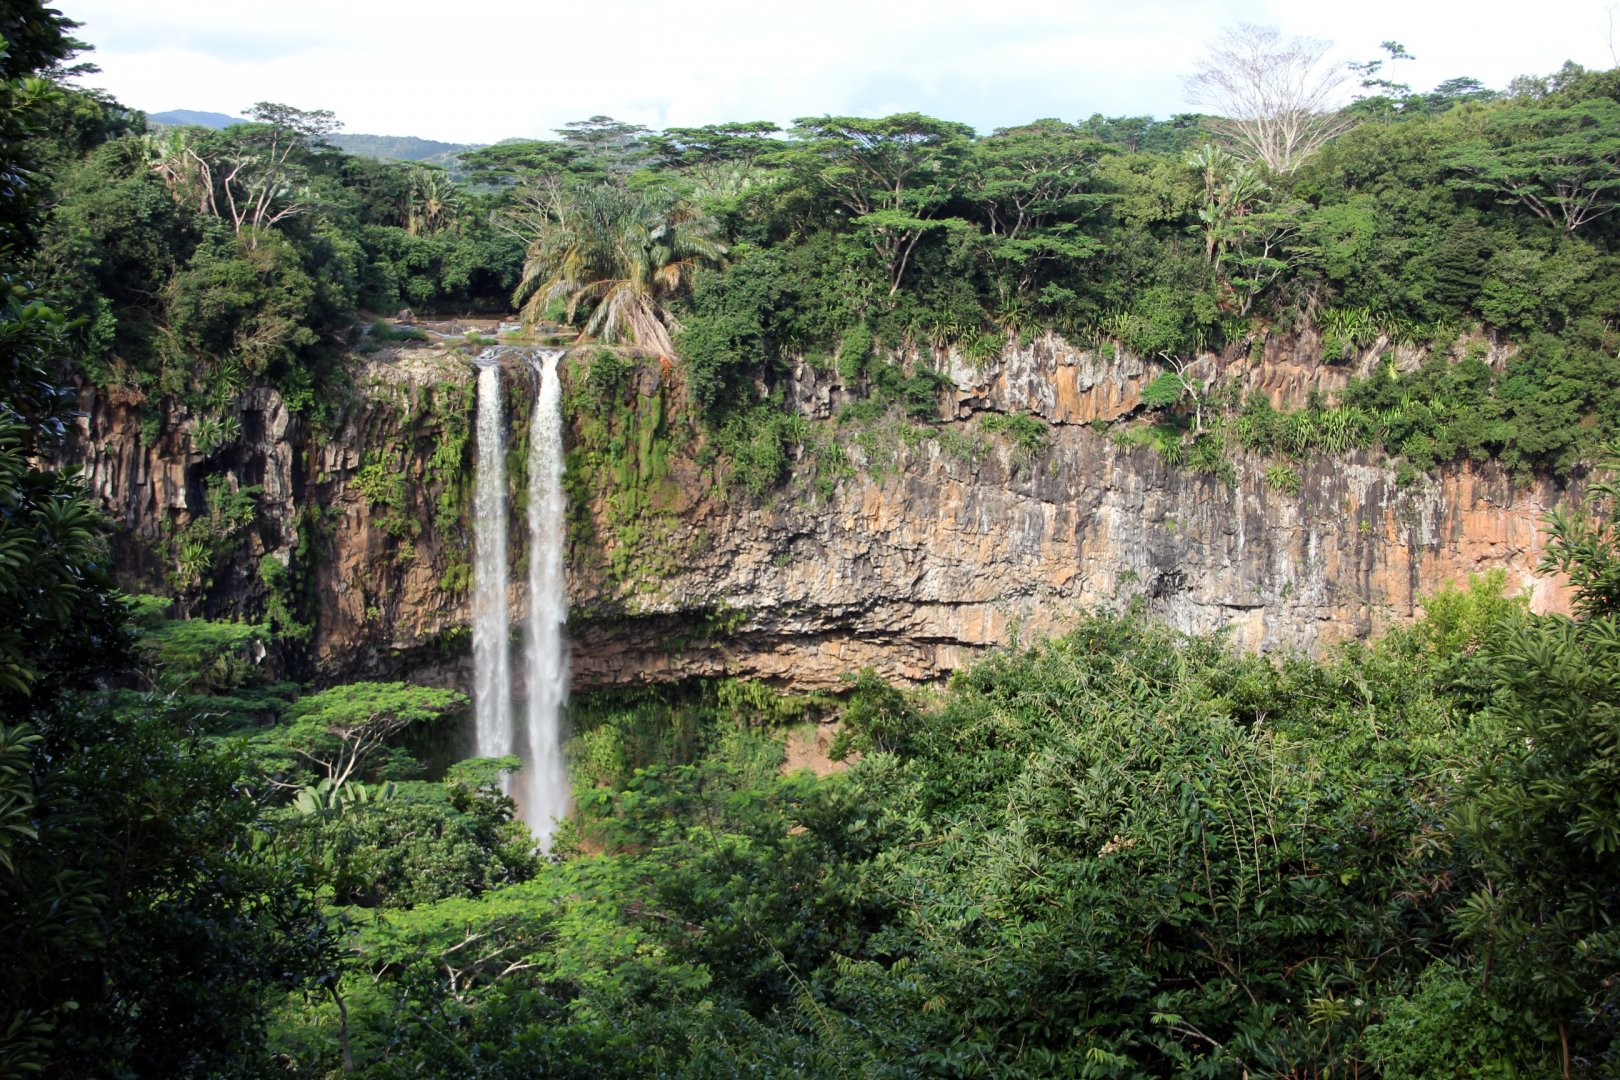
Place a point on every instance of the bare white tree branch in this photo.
(1276, 99)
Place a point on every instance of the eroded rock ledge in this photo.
(911, 571)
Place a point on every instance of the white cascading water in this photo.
(492, 620)
(541, 788)
(545, 777)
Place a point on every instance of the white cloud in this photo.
(481, 70)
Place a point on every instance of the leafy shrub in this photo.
(1027, 433)
(1283, 478)
(853, 351)
(759, 445)
(1446, 1030)
(417, 848)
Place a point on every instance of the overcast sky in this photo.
(483, 70)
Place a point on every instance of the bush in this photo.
(419, 847)
(1447, 1030)
(853, 352)
(759, 444)
(1028, 434)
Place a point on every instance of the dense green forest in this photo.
(1121, 853)
(193, 260)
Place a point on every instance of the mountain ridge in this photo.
(197, 117)
(382, 147)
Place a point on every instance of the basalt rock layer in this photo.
(917, 558)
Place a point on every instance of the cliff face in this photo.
(929, 549)
(153, 481)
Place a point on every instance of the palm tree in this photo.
(432, 204)
(620, 253)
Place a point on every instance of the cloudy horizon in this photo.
(494, 69)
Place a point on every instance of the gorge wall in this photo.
(925, 550)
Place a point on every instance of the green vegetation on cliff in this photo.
(1121, 853)
(1435, 220)
(144, 913)
(199, 262)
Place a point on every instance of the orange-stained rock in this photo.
(912, 572)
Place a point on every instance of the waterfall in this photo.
(492, 621)
(545, 776)
(542, 788)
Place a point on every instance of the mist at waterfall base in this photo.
(541, 787)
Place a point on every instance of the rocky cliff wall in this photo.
(927, 550)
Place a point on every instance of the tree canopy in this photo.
(1122, 852)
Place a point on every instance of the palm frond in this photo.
(620, 255)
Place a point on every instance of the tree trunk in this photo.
(343, 1030)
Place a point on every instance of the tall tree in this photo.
(1144, 133)
(1562, 163)
(1248, 238)
(892, 176)
(523, 162)
(620, 254)
(613, 145)
(1276, 99)
(338, 732)
(735, 143)
(1034, 185)
(261, 168)
(432, 202)
(53, 584)
(143, 923)
(1371, 71)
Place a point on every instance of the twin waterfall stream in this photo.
(541, 787)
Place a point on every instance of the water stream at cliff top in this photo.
(545, 778)
(492, 621)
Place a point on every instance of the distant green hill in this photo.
(386, 147)
(177, 117)
(399, 147)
